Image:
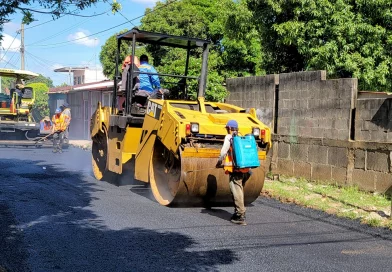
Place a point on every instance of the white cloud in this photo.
(81, 38)
(9, 42)
(11, 27)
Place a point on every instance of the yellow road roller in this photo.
(174, 143)
(16, 119)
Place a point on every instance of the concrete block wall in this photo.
(373, 120)
(324, 132)
(367, 166)
(255, 92)
(311, 106)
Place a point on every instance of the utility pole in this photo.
(22, 49)
(95, 61)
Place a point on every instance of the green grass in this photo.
(347, 202)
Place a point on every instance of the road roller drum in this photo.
(193, 180)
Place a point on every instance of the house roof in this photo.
(92, 86)
(62, 89)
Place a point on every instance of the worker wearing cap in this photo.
(59, 127)
(237, 177)
(149, 80)
(66, 111)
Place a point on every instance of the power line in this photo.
(11, 65)
(53, 12)
(105, 30)
(121, 14)
(14, 63)
(94, 34)
(61, 16)
(10, 59)
(60, 32)
(9, 46)
(42, 63)
(38, 61)
(64, 30)
(47, 21)
(45, 61)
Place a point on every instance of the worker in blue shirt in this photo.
(148, 83)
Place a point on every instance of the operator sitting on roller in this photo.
(18, 90)
(237, 177)
(59, 127)
(149, 84)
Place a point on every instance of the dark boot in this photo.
(238, 219)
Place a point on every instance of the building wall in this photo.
(76, 102)
(92, 75)
(311, 106)
(255, 92)
(83, 104)
(366, 165)
(374, 119)
(55, 101)
(322, 130)
(87, 76)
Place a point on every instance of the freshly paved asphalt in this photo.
(54, 216)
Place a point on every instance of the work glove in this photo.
(219, 164)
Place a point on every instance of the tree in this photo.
(230, 55)
(56, 8)
(41, 79)
(107, 56)
(41, 106)
(6, 83)
(346, 38)
(62, 85)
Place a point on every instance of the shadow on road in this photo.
(56, 230)
(225, 215)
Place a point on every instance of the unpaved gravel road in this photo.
(54, 216)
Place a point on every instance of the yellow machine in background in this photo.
(176, 144)
(16, 119)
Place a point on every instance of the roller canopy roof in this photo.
(163, 39)
(24, 74)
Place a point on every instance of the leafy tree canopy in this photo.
(41, 106)
(229, 56)
(62, 85)
(107, 56)
(346, 38)
(41, 79)
(6, 84)
(232, 52)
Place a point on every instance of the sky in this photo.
(67, 41)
